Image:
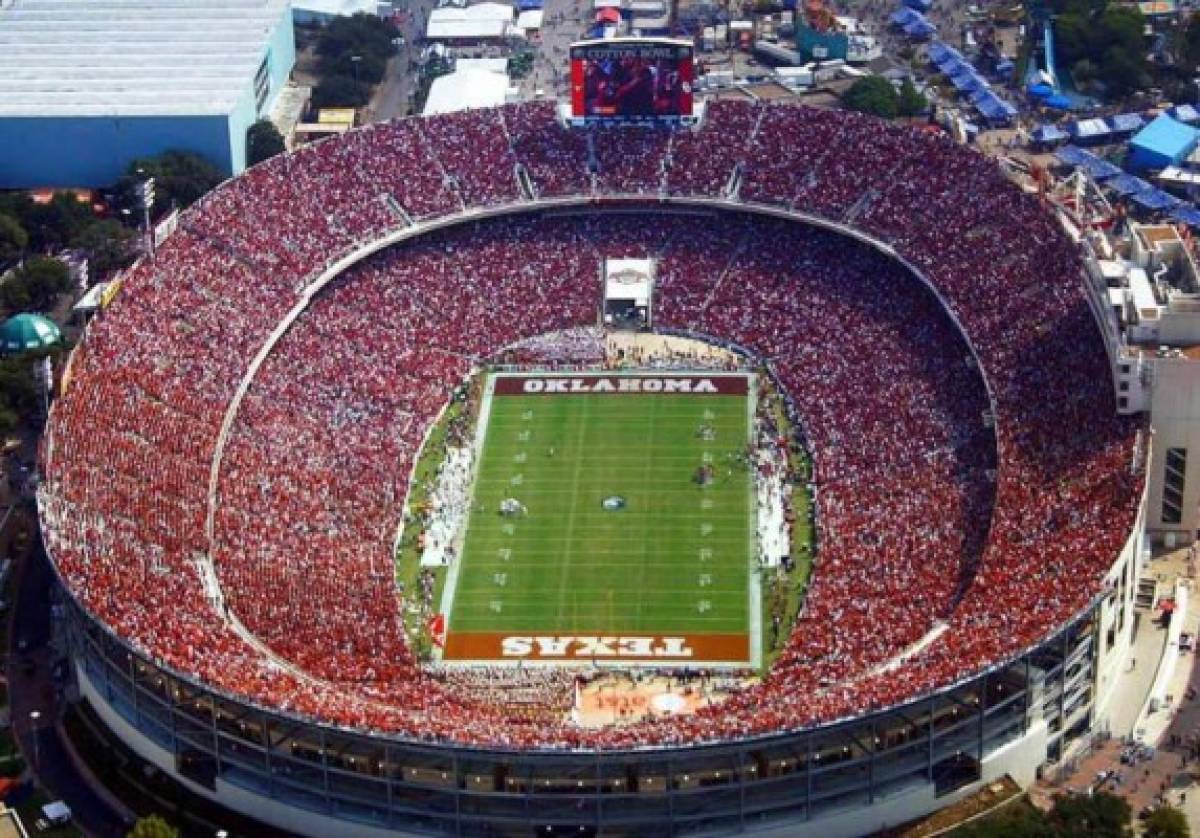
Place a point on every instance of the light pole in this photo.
(354, 59)
(34, 715)
(146, 200)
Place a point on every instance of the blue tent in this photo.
(1048, 134)
(1184, 113)
(919, 5)
(1187, 214)
(1097, 167)
(1040, 90)
(1155, 199)
(920, 29)
(1164, 142)
(968, 82)
(1057, 102)
(1127, 185)
(939, 51)
(1125, 122)
(1005, 66)
(905, 16)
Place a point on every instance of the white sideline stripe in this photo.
(451, 586)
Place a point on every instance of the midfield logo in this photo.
(619, 385)
(583, 647)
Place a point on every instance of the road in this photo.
(32, 688)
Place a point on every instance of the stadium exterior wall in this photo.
(849, 776)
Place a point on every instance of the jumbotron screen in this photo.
(634, 80)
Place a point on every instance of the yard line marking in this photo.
(573, 513)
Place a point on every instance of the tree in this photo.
(52, 225)
(35, 286)
(263, 140)
(180, 178)
(152, 826)
(1166, 822)
(1122, 72)
(361, 34)
(370, 69)
(110, 246)
(339, 91)
(1189, 43)
(13, 239)
(1017, 820)
(1100, 815)
(910, 102)
(873, 95)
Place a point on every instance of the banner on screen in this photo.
(632, 80)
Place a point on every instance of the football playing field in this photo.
(629, 533)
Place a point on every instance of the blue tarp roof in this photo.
(527, 5)
(1097, 167)
(1005, 65)
(1048, 134)
(1184, 113)
(1124, 184)
(1126, 122)
(993, 107)
(919, 29)
(920, 5)
(1155, 199)
(1165, 137)
(905, 15)
(1057, 102)
(1089, 129)
(1187, 214)
(1041, 89)
(968, 82)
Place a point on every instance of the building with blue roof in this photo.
(1164, 142)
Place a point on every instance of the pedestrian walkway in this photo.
(1159, 762)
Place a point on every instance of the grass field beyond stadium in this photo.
(675, 561)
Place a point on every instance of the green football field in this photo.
(675, 560)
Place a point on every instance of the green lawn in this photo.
(676, 559)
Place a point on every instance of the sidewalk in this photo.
(32, 688)
(1169, 767)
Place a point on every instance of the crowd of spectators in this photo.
(935, 508)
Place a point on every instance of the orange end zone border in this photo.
(635, 649)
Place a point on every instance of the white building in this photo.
(471, 25)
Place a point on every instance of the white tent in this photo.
(466, 88)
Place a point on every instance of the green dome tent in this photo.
(28, 331)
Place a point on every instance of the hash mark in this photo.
(705, 580)
(520, 457)
(504, 553)
(706, 529)
(704, 606)
(496, 606)
(707, 503)
(523, 436)
(509, 529)
(705, 554)
(517, 479)
(500, 579)
(527, 415)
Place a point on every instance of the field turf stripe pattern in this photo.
(675, 560)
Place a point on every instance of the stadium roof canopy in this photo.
(74, 58)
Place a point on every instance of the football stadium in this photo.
(501, 472)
